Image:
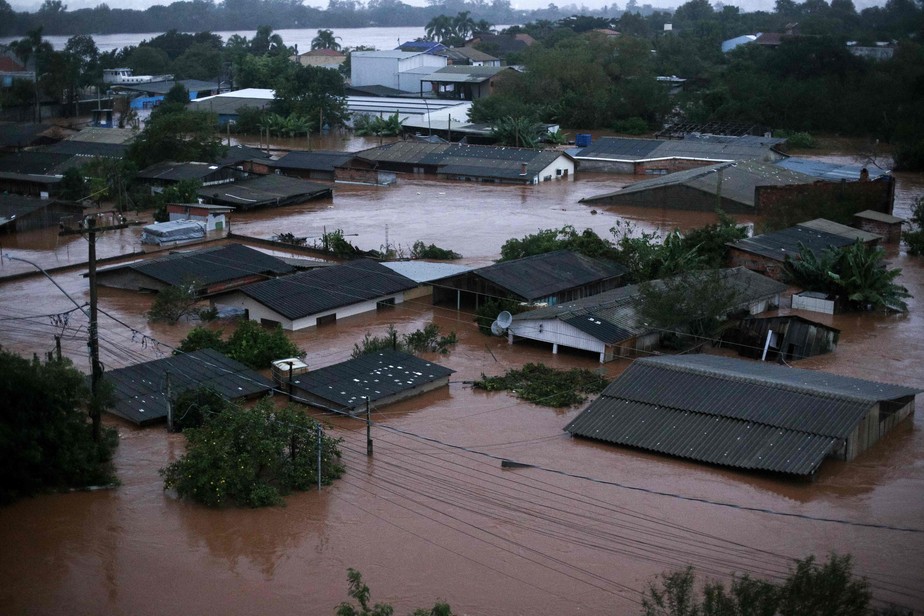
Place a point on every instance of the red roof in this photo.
(9, 64)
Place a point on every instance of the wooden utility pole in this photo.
(320, 445)
(368, 431)
(97, 373)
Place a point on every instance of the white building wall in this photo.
(560, 169)
(258, 312)
(556, 332)
(368, 69)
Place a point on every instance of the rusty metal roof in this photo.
(733, 412)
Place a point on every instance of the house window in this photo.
(385, 303)
(558, 172)
(270, 323)
(326, 320)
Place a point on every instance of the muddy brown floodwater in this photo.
(432, 514)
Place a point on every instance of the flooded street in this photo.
(432, 514)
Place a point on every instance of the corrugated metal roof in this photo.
(207, 266)
(88, 148)
(787, 242)
(33, 162)
(176, 172)
(138, 390)
(738, 181)
(619, 148)
(318, 290)
(317, 160)
(540, 276)
(732, 412)
(264, 191)
(879, 216)
(697, 147)
(18, 206)
(374, 376)
(461, 156)
(828, 171)
(851, 233)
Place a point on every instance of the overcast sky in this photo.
(746, 5)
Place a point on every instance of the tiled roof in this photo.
(138, 390)
(323, 289)
(207, 266)
(732, 412)
(540, 276)
(371, 377)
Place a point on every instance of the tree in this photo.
(692, 306)
(250, 343)
(265, 42)
(810, 589)
(312, 92)
(175, 302)
(914, 238)
(857, 275)
(177, 136)
(253, 457)
(360, 592)
(46, 440)
(325, 40)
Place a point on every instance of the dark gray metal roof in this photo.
(18, 206)
(264, 191)
(540, 276)
(738, 181)
(34, 162)
(733, 412)
(317, 160)
(488, 157)
(725, 148)
(786, 242)
(138, 390)
(207, 266)
(88, 148)
(318, 290)
(349, 385)
(238, 153)
(176, 172)
(828, 171)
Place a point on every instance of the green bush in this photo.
(422, 251)
(423, 340)
(540, 384)
(631, 126)
(250, 343)
(253, 457)
(798, 140)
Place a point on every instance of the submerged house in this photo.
(767, 253)
(784, 337)
(208, 270)
(379, 378)
(548, 278)
(321, 296)
(743, 414)
(138, 391)
(611, 325)
(18, 213)
(264, 191)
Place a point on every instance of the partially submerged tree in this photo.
(426, 340)
(253, 457)
(810, 589)
(176, 302)
(46, 440)
(360, 592)
(540, 384)
(250, 343)
(858, 276)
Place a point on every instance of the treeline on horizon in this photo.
(891, 21)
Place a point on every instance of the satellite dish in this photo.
(504, 319)
(496, 329)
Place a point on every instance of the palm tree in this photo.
(439, 28)
(463, 25)
(326, 40)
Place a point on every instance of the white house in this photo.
(385, 68)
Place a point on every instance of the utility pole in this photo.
(368, 431)
(94, 334)
(320, 444)
(168, 394)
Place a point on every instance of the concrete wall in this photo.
(891, 232)
(827, 196)
(815, 304)
(756, 263)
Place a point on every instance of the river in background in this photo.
(432, 514)
(379, 38)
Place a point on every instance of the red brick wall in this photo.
(877, 196)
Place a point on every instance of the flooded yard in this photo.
(432, 514)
